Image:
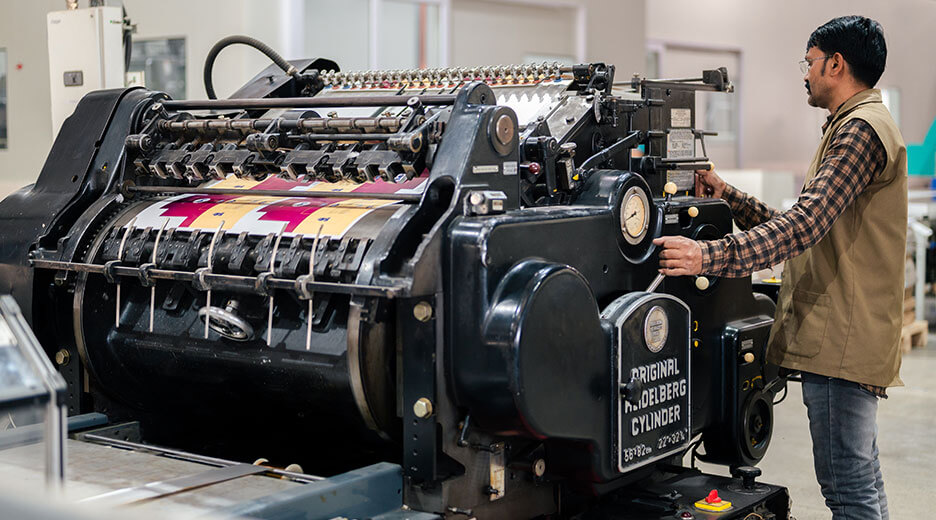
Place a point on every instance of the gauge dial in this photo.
(656, 329)
(635, 215)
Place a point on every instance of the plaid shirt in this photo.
(854, 158)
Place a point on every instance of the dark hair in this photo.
(859, 40)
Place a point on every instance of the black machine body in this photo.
(419, 268)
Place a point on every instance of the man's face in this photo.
(817, 86)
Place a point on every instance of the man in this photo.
(839, 311)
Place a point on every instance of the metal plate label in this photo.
(681, 117)
(510, 168)
(680, 144)
(485, 168)
(653, 410)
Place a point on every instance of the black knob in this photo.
(747, 474)
(632, 390)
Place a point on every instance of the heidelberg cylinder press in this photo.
(410, 294)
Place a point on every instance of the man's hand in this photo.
(709, 184)
(679, 256)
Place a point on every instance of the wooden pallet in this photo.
(914, 335)
(909, 308)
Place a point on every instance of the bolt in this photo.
(748, 357)
(570, 120)
(539, 467)
(62, 357)
(476, 198)
(422, 408)
(422, 311)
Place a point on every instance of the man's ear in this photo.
(838, 65)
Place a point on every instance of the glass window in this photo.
(162, 64)
(3, 99)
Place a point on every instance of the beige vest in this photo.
(841, 302)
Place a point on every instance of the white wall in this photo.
(490, 32)
(779, 130)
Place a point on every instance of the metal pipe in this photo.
(389, 124)
(342, 137)
(402, 197)
(309, 102)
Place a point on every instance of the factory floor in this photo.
(906, 440)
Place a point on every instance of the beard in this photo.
(811, 99)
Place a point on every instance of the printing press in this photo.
(444, 275)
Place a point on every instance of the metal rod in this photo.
(315, 244)
(656, 282)
(672, 160)
(309, 102)
(153, 288)
(120, 250)
(332, 124)
(402, 197)
(342, 137)
(211, 246)
(276, 245)
(222, 281)
(193, 457)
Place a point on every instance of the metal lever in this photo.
(211, 247)
(273, 274)
(153, 288)
(120, 250)
(315, 244)
(656, 282)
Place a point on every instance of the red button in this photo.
(712, 497)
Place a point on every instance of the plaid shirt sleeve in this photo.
(747, 211)
(854, 157)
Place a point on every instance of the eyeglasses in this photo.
(805, 64)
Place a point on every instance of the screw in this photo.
(62, 357)
(422, 408)
(422, 311)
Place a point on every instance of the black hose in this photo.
(245, 40)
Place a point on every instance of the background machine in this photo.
(441, 272)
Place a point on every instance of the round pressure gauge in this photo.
(656, 329)
(635, 215)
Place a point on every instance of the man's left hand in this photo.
(679, 256)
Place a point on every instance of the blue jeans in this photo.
(842, 422)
